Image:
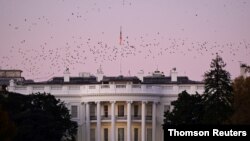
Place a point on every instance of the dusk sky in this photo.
(43, 37)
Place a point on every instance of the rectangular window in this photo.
(92, 134)
(106, 111)
(183, 88)
(74, 111)
(120, 134)
(166, 108)
(92, 110)
(106, 134)
(149, 110)
(120, 86)
(55, 87)
(92, 87)
(38, 88)
(149, 134)
(73, 87)
(136, 134)
(136, 86)
(120, 110)
(200, 87)
(104, 86)
(136, 110)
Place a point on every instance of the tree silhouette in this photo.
(187, 110)
(241, 102)
(7, 127)
(39, 117)
(218, 93)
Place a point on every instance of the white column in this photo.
(98, 123)
(154, 122)
(113, 121)
(83, 122)
(87, 121)
(129, 120)
(143, 119)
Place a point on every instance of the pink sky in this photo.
(43, 37)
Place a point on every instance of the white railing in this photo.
(111, 88)
(56, 88)
(20, 88)
(76, 88)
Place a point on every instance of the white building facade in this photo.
(115, 108)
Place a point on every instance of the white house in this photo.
(121, 108)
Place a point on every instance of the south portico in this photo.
(116, 120)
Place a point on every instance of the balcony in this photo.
(136, 117)
(124, 117)
(93, 117)
(110, 89)
(106, 117)
(121, 117)
(148, 117)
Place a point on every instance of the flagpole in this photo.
(120, 50)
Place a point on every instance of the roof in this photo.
(107, 79)
(133, 79)
(73, 80)
(167, 80)
(6, 80)
(11, 70)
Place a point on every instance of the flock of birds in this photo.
(81, 49)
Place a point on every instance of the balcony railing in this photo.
(106, 117)
(110, 88)
(124, 117)
(93, 118)
(121, 117)
(148, 117)
(137, 117)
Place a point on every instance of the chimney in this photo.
(66, 75)
(99, 73)
(173, 74)
(140, 75)
(243, 70)
(11, 87)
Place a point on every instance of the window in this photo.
(38, 88)
(92, 87)
(136, 138)
(55, 87)
(136, 110)
(104, 86)
(136, 86)
(106, 111)
(120, 110)
(120, 86)
(149, 110)
(92, 134)
(169, 87)
(73, 87)
(20, 88)
(149, 134)
(92, 110)
(183, 88)
(74, 111)
(106, 134)
(200, 88)
(120, 134)
(166, 108)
